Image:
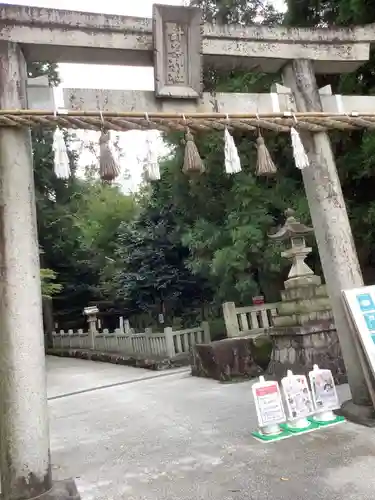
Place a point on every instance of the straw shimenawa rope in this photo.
(277, 122)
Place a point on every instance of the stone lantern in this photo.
(300, 274)
(303, 333)
(91, 313)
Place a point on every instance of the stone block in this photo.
(65, 36)
(307, 292)
(225, 360)
(318, 340)
(283, 321)
(301, 281)
(302, 319)
(304, 306)
(177, 52)
(299, 348)
(295, 331)
(321, 291)
(315, 316)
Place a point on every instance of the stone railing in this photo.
(249, 320)
(166, 344)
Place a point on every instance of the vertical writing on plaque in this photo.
(176, 54)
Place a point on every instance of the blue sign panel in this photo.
(365, 302)
(370, 321)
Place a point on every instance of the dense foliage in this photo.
(78, 221)
(182, 243)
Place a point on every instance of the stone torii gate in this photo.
(176, 44)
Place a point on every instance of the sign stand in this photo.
(299, 403)
(324, 397)
(307, 410)
(270, 410)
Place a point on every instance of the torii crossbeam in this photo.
(176, 44)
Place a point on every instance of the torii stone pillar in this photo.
(24, 435)
(333, 233)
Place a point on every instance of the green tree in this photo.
(184, 241)
(224, 220)
(243, 12)
(49, 286)
(152, 275)
(220, 221)
(99, 212)
(77, 222)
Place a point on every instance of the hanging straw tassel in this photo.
(109, 168)
(192, 161)
(300, 157)
(232, 159)
(265, 164)
(152, 170)
(61, 159)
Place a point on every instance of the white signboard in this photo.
(360, 303)
(323, 390)
(268, 403)
(297, 396)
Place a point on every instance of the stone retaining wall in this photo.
(299, 348)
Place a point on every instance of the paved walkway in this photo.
(68, 377)
(175, 437)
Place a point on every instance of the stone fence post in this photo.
(168, 332)
(124, 325)
(206, 332)
(91, 313)
(148, 345)
(230, 319)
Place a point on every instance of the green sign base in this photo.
(287, 432)
(295, 430)
(270, 437)
(338, 420)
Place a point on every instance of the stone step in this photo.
(306, 292)
(301, 319)
(303, 281)
(304, 306)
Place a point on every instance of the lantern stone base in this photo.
(303, 301)
(359, 414)
(298, 348)
(61, 490)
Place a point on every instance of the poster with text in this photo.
(297, 396)
(323, 390)
(268, 403)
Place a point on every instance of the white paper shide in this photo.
(232, 159)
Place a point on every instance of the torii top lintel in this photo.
(175, 40)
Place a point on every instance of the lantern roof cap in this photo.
(291, 228)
